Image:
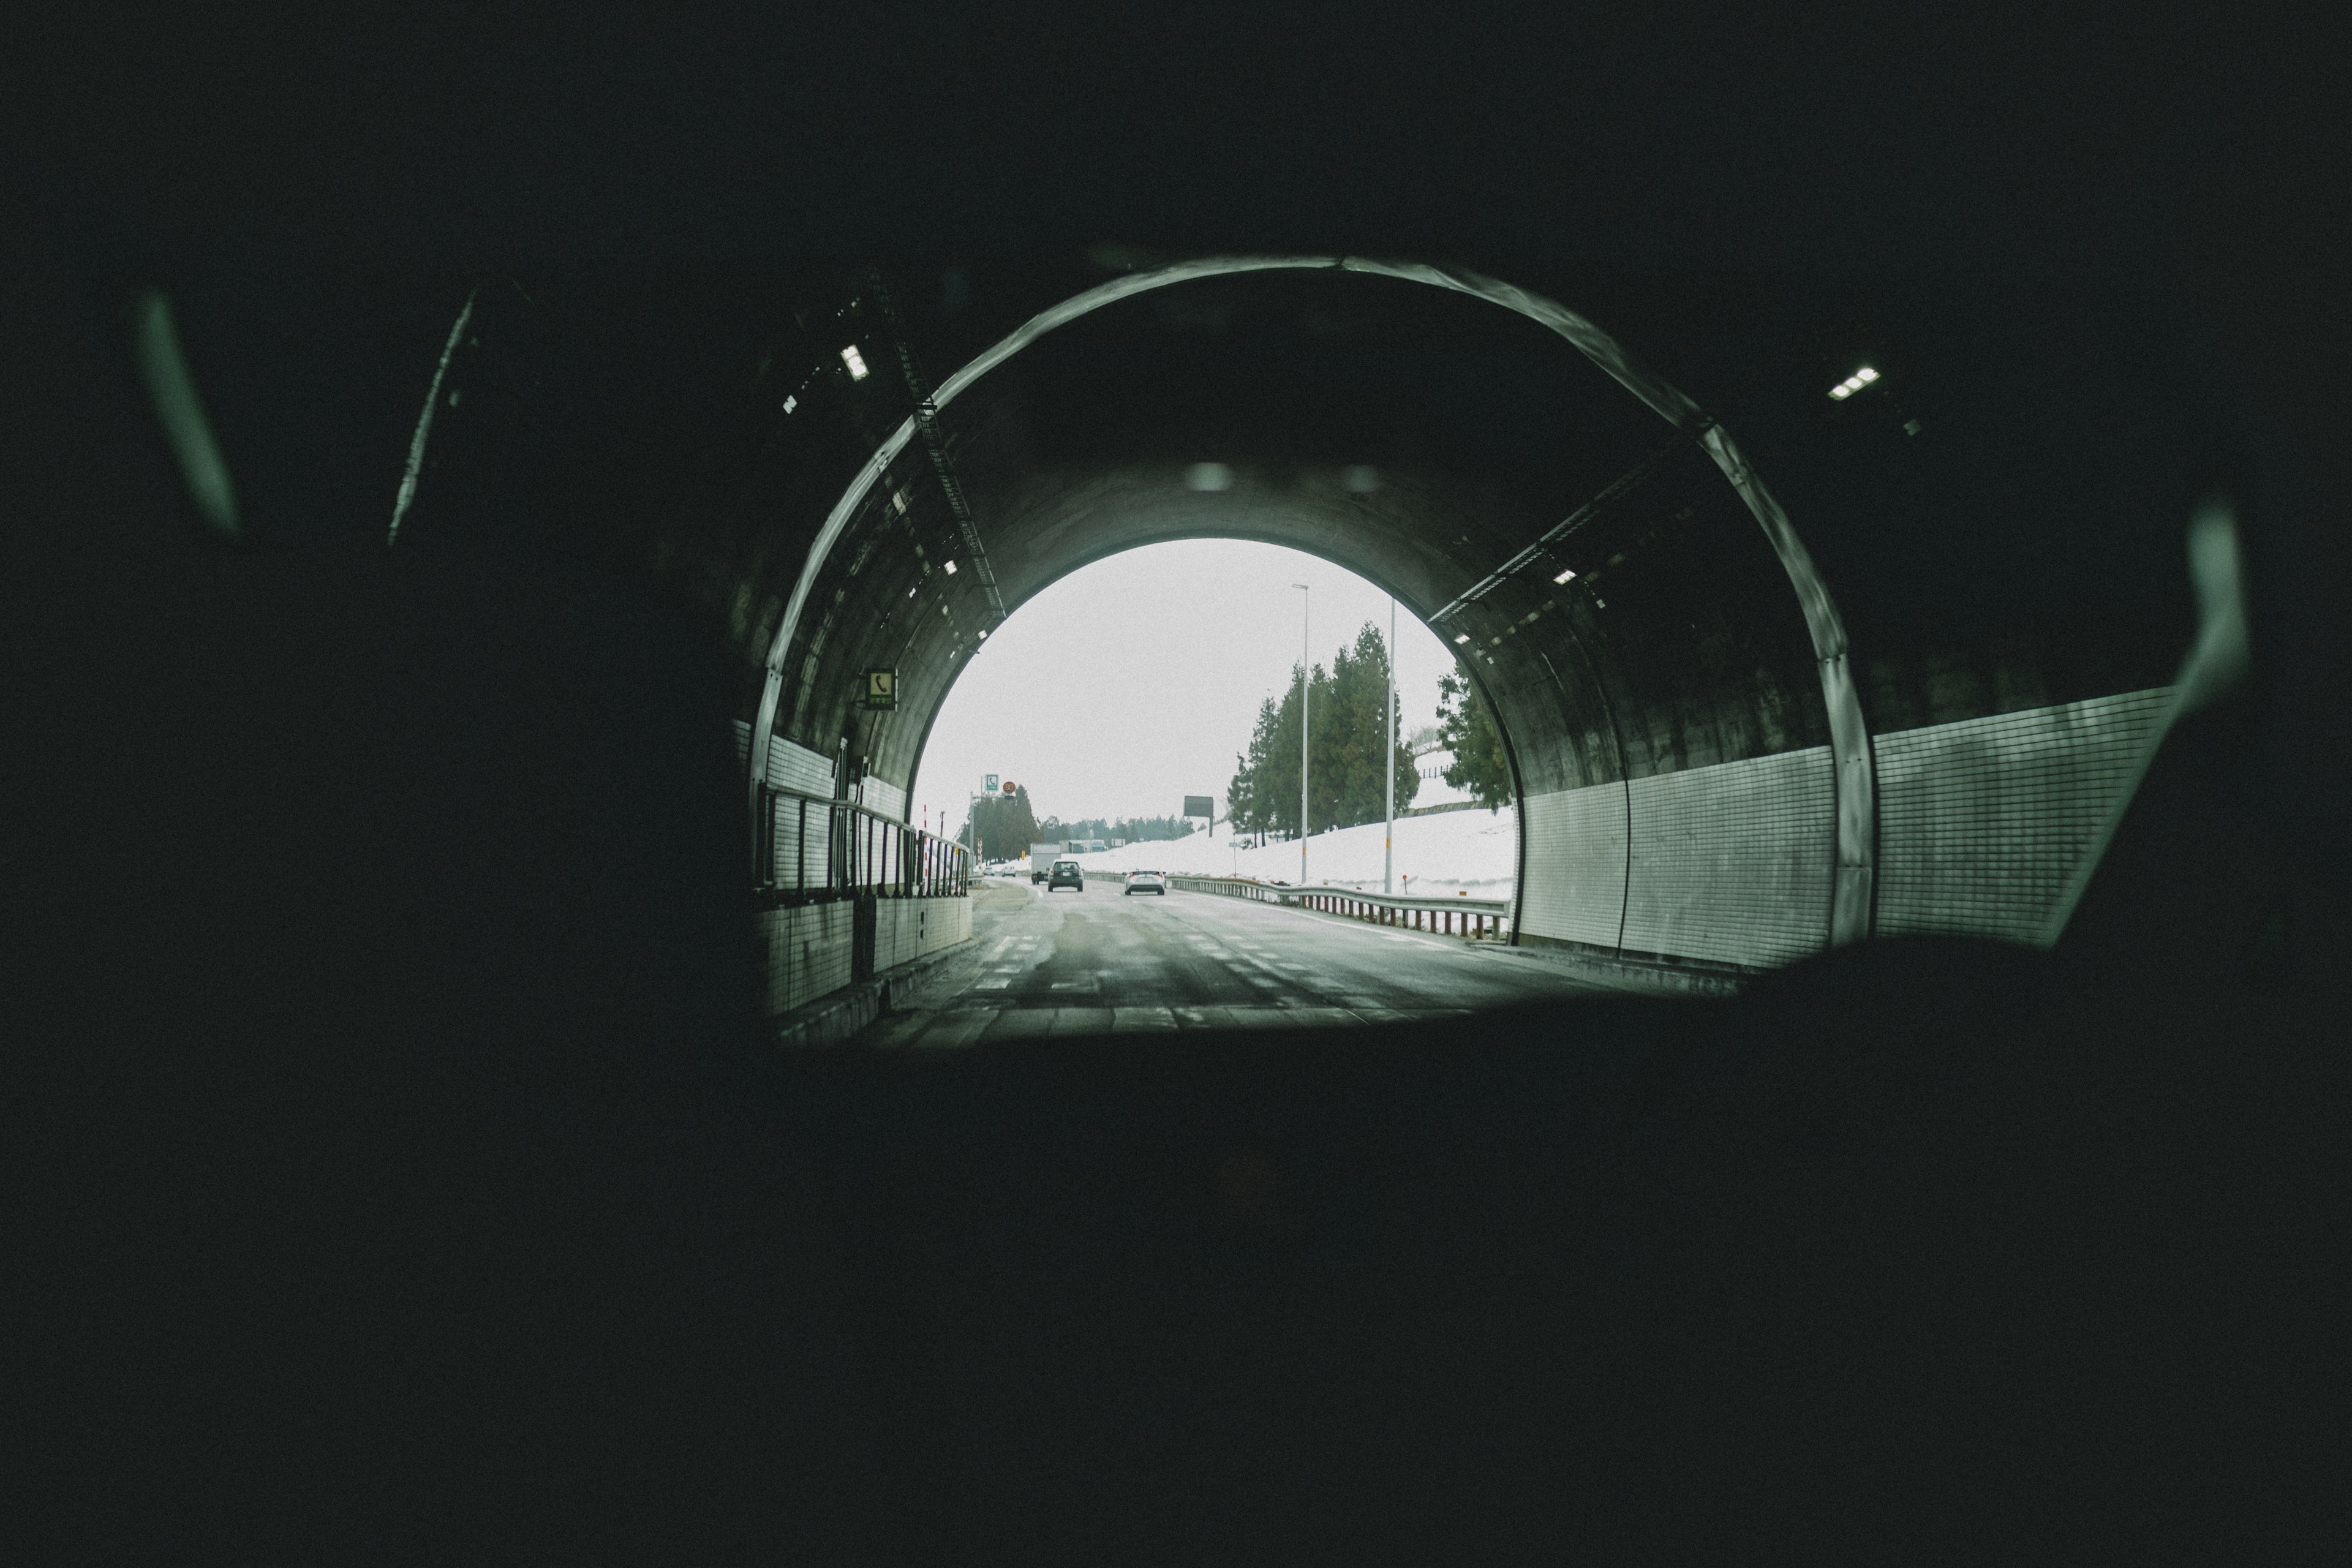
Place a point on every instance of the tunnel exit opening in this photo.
(1172, 670)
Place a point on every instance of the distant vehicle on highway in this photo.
(1042, 858)
(1067, 874)
(1148, 882)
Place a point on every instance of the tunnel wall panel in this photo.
(801, 840)
(1981, 821)
(797, 767)
(807, 949)
(908, 929)
(1575, 887)
(790, 767)
(882, 795)
(1732, 863)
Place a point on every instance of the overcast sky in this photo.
(1133, 682)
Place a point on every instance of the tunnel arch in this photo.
(1851, 807)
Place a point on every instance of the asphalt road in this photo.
(1101, 960)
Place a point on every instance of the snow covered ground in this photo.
(1471, 852)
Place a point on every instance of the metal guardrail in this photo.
(814, 849)
(1458, 916)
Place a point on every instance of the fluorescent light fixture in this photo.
(951, 568)
(1461, 638)
(1853, 384)
(1566, 577)
(910, 592)
(791, 403)
(854, 361)
(1209, 476)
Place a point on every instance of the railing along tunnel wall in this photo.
(843, 891)
(1458, 916)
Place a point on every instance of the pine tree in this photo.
(1004, 827)
(1466, 726)
(1349, 710)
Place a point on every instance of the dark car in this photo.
(1066, 875)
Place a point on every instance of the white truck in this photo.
(1042, 858)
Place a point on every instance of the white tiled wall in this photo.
(807, 953)
(1981, 822)
(1980, 825)
(908, 929)
(1575, 883)
(1733, 862)
(790, 767)
(808, 946)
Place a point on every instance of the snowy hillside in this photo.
(1454, 851)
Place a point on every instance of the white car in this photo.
(1146, 882)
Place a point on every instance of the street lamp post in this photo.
(1387, 841)
(1305, 601)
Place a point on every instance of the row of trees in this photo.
(1347, 715)
(1347, 705)
(1134, 829)
(1005, 826)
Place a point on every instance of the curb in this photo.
(1647, 977)
(1666, 979)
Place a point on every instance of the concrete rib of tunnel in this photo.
(1853, 784)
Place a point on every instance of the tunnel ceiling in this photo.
(1421, 437)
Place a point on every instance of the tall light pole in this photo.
(1305, 602)
(1388, 843)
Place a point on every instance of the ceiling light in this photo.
(910, 592)
(1566, 577)
(791, 403)
(1461, 638)
(951, 568)
(1209, 476)
(1853, 384)
(854, 361)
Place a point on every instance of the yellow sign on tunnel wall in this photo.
(881, 688)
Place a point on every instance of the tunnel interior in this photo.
(1690, 729)
(1778, 670)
